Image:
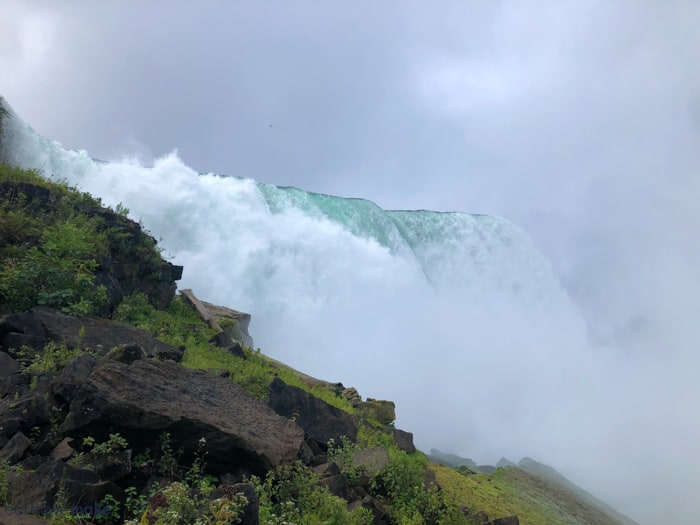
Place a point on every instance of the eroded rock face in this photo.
(143, 399)
(233, 322)
(321, 422)
(41, 325)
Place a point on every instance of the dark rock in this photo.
(15, 448)
(38, 488)
(13, 342)
(220, 372)
(83, 332)
(143, 399)
(112, 467)
(321, 422)
(337, 485)
(510, 520)
(305, 454)
(10, 378)
(224, 340)
(8, 366)
(73, 376)
(382, 411)
(126, 354)
(403, 440)
(27, 407)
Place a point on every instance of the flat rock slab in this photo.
(143, 399)
(40, 325)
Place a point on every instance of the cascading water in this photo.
(456, 317)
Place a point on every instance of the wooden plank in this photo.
(201, 310)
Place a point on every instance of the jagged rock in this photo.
(72, 377)
(27, 407)
(13, 451)
(37, 489)
(63, 450)
(223, 340)
(48, 324)
(510, 520)
(143, 399)
(233, 322)
(319, 420)
(10, 378)
(403, 440)
(8, 366)
(352, 396)
(382, 411)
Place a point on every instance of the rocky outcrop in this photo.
(382, 411)
(145, 398)
(233, 322)
(403, 440)
(320, 421)
(130, 264)
(41, 325)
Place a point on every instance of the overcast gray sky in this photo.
(578, 120)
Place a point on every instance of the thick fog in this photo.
(578, 122)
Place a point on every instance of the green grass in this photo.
(511, 491)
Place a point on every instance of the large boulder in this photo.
(382, 411)
(321, 422)
(146, 398)
(41, 325)
(13, 451)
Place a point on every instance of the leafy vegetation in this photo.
(52, 243)
(52, 358)
(292, 495)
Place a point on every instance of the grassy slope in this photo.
(513, 491)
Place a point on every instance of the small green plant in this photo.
(342, 454)
(168, 461)
(52, 358)
(122, 210)
(112, 514)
